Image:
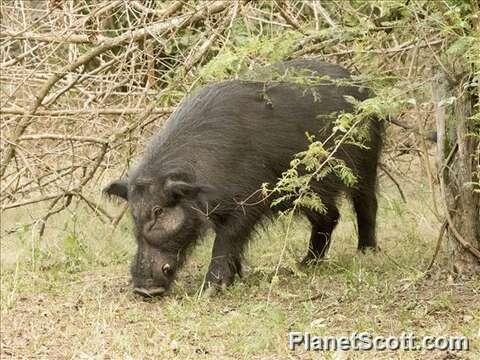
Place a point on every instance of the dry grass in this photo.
(71, 297)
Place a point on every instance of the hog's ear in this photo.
(117, 188)
(178, 189)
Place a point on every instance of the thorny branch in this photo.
(75, 89)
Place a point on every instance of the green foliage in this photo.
(238, 56)
(317, 163)
(223, 66)
(74, 252)
(310, 200)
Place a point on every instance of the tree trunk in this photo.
(458, 160)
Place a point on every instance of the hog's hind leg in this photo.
(365, 204)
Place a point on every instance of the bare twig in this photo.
(161, 14)
(286, 15)
(389, 174)
(316, 6)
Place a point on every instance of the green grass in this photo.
(68, 295)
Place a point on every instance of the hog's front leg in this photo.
(224, 265)
(227, 251)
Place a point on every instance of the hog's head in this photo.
(166, 221)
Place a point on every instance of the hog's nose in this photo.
(149, 292)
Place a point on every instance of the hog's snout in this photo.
(152, 272)
(150, 287)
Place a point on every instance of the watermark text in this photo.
(364, 341)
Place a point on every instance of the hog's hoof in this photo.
(368, 249)
(221, 274)
(211, 289)
(209, 292)
(214, 283)
(311, 260)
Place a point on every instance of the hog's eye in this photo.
(167, 270)
(157, 211)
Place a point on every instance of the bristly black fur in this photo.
(230, 139)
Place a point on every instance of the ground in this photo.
(68, 295)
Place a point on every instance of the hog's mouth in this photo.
(153, 292)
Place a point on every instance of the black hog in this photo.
(216, 151)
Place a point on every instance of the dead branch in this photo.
(32, 201)
(53, 97)
(196, 55)
(18, 58)
(71, 112)
(316, 6)
(400, 48)
(286, 15)
(62, 138)
(389, 174)
(458, 237)
(96, 208)
(161, 14)
(51, 211)
(438, 245)
(106, 45)
(54, 38)
(103, 8)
